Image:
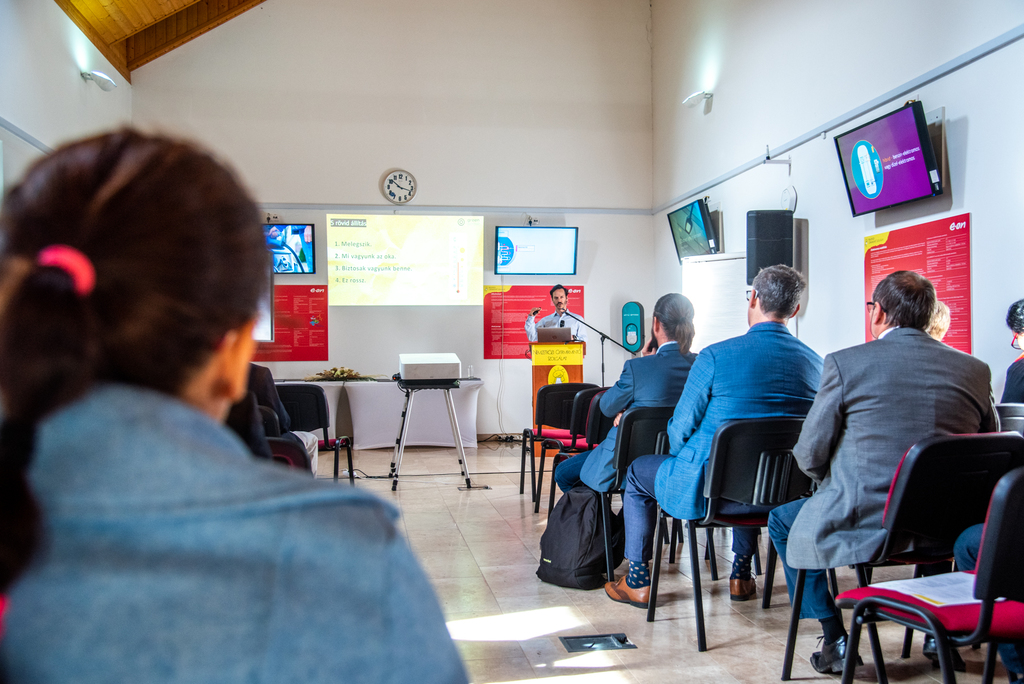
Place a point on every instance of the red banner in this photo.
(300, 325)
(940, 251)
(505, 311)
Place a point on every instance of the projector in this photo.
(433, 367)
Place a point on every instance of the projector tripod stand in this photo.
(410, 387)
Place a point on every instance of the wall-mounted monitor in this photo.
(291, 246)
(534, 250)
(889, 161)
(692, 231)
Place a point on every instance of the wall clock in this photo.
(398, 186)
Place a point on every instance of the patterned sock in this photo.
(740, 567)
(639, 576)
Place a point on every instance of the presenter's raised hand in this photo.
(534, 311)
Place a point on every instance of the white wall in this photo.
(42, 54)
(784, 68)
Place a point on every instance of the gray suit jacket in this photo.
(876, 401)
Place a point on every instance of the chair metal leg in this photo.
(757, 559)
(833, 583)
(351, 468)
(533, 469)
(711, 555)
(551, 497)
(698, 600)
(659, 530)
(908, 635)
(674, 539)
(606, 520)
(337, 456)
(769, 576)
(990, 665)
(852, 644)
(539, 487)
(794, 625)
(863, 579)
(522, 465)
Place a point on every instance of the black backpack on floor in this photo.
(572, 546)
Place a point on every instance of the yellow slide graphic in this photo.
(388, 260)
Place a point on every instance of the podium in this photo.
(555, 363)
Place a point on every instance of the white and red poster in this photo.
(505, 310)
(300, 325)
(940, 251)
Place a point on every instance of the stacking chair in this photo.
(940, 488)
(289, 453)
(552, 417)
(307, 406)
(639, 428)
(1011, 417)
(751, 462)
(584, 406)
(997, 576)
(271, 423)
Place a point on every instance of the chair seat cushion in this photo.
(1007, 618)
(565, 437)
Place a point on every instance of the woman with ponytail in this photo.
(138, 539)
(655, 379)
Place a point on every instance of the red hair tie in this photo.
(72, 262)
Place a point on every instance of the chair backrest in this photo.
(581, 405)
(271, 424)
(638, 435)
(598, 424)
(288, 452)
(1010, 410)
(554, 404)
(307, 406)
(1002, 545)
(943, 486)
(751, 462)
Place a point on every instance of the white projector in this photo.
(429, 366)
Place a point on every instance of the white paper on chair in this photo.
(949, 589)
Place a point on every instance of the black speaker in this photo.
(769, 240)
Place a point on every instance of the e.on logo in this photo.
(957, 226)
(317, 289)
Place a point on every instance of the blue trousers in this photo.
(966, 553)
(817, 600)
(567, 473)
(640, 512)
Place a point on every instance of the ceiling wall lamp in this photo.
(698, 97)
(105, 83)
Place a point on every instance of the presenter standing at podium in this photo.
(559, 319)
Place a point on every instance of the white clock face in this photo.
(399, 187)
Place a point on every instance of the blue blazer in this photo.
(766, 372)
(655, 380)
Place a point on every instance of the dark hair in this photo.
(1015, 316)
(556, 288)
(675, 313)
(907, 298)
(180, 260)
(778, 289)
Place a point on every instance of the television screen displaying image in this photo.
(522, 250)
(889, 161)
(291, 246)
(692, 231)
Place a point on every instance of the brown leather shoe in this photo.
(623, 593)
(742, 590)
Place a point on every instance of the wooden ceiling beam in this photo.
(116, 54)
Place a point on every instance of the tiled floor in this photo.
(481, 551)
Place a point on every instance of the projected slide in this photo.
(386, 260)
(535, 251)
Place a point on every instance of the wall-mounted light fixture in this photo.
(105, 83)
(698, 97)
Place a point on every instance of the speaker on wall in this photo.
(769, 240)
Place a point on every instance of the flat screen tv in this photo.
(692, 231)
(889, 161)
(535, 250)
(291, 245)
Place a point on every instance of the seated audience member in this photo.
(966, 550)
(938, 326)
(245, 419)
(652, 380)
(875, 402)
(170, 555)
(766, 372)
(261, 383)
(1013, 390)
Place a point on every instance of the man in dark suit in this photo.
(766, 372)
(875, 402)
(654, 380)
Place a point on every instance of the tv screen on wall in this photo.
(291, 246)
(692, 231)
(522, 250)
(889, 161)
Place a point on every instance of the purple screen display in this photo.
(884, 164)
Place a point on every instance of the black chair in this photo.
(940, 488)
(751, 462)
(271, 424)
(289, 453)
(552, 418)
(639, 428)
(1011, 417)
(307, 407)
(998, 576)
(584, 405)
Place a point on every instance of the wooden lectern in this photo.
(556, 363)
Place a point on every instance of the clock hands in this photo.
(399, 185)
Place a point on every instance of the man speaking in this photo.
(560, 319)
